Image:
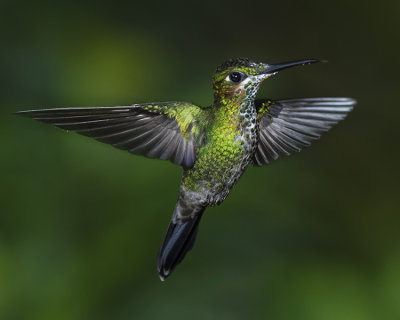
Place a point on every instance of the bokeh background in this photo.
(311, 236)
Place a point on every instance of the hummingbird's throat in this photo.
(247, 90)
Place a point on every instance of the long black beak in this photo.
(272, 68)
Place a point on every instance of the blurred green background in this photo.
(311, 236)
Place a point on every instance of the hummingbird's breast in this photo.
(227, 151)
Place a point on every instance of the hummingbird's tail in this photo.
(179, 239)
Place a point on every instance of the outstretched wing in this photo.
(165, 130)
(287, 126)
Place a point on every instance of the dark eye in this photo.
(236, 76)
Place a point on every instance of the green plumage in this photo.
(221, 151)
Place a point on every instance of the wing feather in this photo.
(290, 125)
(165, 130)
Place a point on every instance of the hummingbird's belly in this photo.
(219, 164)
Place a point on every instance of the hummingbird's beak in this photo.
(271, 69)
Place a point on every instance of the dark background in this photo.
(311, 236)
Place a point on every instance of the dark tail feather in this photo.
(178, 241)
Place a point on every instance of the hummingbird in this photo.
(213, 144)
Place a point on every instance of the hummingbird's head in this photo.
(239, 79)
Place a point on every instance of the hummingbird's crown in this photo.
(237, 62)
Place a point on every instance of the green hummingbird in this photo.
(213, 144)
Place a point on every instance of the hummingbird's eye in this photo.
(236, 76)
